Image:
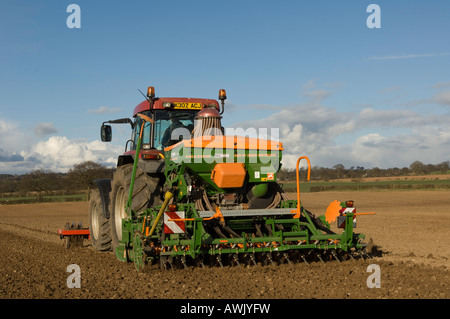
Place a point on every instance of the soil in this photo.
(410, 229)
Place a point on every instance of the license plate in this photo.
(185, 105)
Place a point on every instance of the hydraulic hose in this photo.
(167, 197)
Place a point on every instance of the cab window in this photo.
(170, 126)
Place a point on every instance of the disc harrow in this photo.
(73, 235)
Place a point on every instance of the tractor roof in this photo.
(182, 103)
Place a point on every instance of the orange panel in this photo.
(228, 175)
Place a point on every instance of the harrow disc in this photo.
(72, 241)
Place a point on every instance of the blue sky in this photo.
(338, 91)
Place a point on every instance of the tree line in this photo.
(81, 176)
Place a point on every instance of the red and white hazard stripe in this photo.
(174, 226)
(345, 210)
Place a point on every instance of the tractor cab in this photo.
(173, 120)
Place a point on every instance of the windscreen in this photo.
(170, 127)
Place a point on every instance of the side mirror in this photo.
(106, 133)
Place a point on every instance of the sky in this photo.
(312, 73)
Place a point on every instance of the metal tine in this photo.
(304, 258)
(164, 264)
(219, 260)
(320, 258)
(251, 257)
(169, 261)
(333, 252)
(79, 239)
(183, 262)
(309, 254)
(200, 263)
(360, 253)
(286, 257)
(236, 259)
(269, 258)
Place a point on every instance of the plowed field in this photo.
(410, 228)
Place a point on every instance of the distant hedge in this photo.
(328, 188)
(44, 199)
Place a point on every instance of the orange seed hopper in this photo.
(228, 175)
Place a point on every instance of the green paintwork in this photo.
(200, 163)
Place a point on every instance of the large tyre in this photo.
(146, 193)
(99, 226)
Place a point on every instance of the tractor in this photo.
(184, 194)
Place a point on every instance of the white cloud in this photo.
(10, 157)
(44, 129)
(318, 95)
(315, 94)
(58, 153)
(409, 56)
(21, 152)
(441, 85)
(373, 138)
(429, 145)
(442, 97)
(370, 117)
(304, 130)
(311, 84)
(12, 136)
(105, 110)
(390, 89)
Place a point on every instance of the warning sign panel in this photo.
(175, 226)
(341, 219)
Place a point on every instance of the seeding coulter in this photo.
(186, 194)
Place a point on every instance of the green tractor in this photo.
(186, 194)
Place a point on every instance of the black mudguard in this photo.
(147, 166)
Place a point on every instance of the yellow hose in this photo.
(167, 197)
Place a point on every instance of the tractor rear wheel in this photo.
(99, 225)
(146, 193)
